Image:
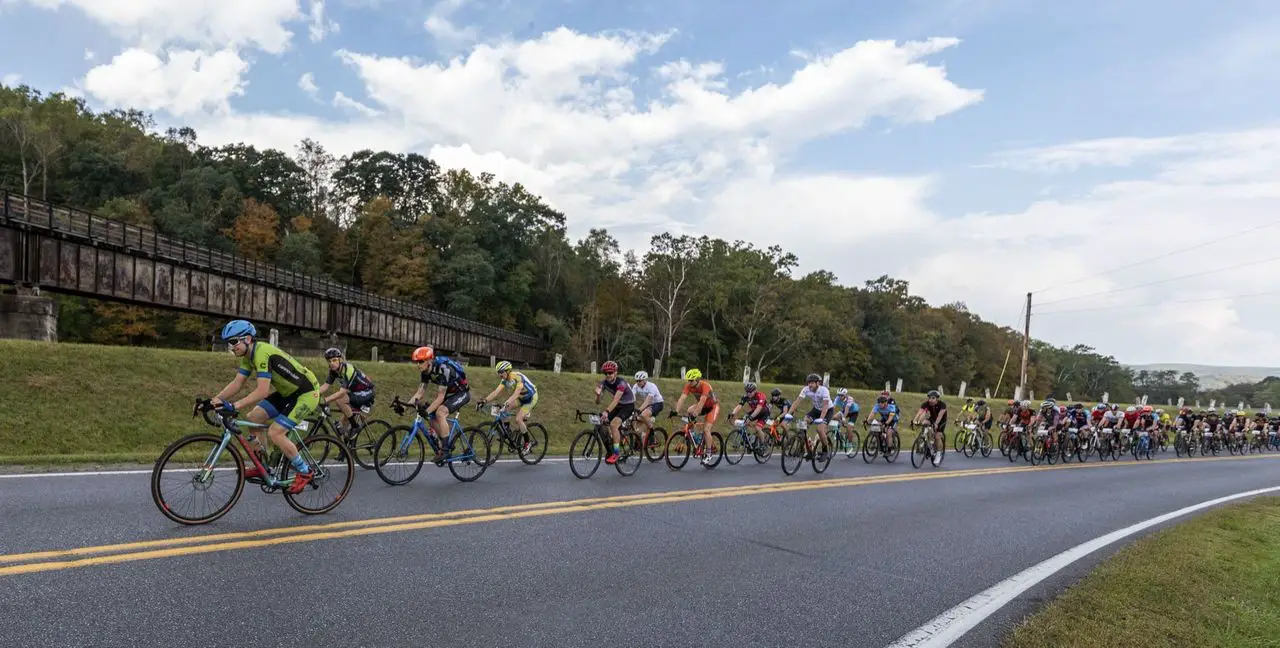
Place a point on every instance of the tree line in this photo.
(489, 250)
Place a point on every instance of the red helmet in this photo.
(422, 354)
(609, 366)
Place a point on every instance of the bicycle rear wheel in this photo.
(734, 447)
(182, 465)
(366, 439)
(656, 446)
(332, 472)
(497, 440)
(475, 449)
(631, 454)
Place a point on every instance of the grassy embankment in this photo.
(81, 403)
(1211, 581)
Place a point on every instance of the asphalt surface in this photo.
(859, 564)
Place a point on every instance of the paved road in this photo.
(858, 556)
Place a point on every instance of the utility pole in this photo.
(1026, 345)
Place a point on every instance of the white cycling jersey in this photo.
(821, 397)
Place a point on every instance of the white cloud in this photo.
(89, 55)
(181, 82)
(448, 34)
(307, 82)
(320, 26)
(215, 24)
(12, 79)
(343, 101)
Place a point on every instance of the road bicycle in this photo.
(971, 441)
(845, 438)
(1142, 448)
(360, 438)
(687, 440)
(213, 468)
(400, 452)
(879, 444)
(531, 447)
(740, 440)
(591, 446)
(925, 447)
(798, 446)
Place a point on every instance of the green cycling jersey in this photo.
(288, 376)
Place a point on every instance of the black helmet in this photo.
(332, 353)
(882, 399)
(933, 393)
(775, 393)
(813, 377)
(750, 388)
(982, 401)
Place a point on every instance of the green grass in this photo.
(1212, 581)
(79, 403)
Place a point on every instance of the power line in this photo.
(1161, 256)
(1170, 301)
(1161, 281)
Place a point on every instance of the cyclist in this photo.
(285, 394)
(820, 396)
(982, 412)
(619, 409)
(757, 405)
(886, 414)
(453, 394)
(523, 391)
(1051, 418)
(967, 412)
(355, 390)
(846, 409)
(650, 407)
(933, 409)
(784, 409)
(706, 405)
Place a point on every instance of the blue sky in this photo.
(1148, 123)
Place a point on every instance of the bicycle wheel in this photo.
(960, 439)
(895, 447)
(763, 450)
(714, 451)
(631, 454)
(398, 458)
(585, 454)
(917, 452)
(182, 465)
(656, 446)
(985, 448)
(970, 447)
(537, 440)
(792, 453)
(853, 444)
(331, 477)
(870, 447)
(735, 447)
(365, 440)
(497, 440)
(822, 451)
(677, 450)
(469, 455)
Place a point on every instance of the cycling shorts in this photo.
(289, 411)
(528, 402)
(622, 411)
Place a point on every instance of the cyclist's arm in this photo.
(259, 393)
(232, 387)
(617, 396)
(680, 402)
(438, 400)
(648, 400)
(514, 398)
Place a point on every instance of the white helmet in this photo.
(842, 392)
(640, 376)
(1130, 409)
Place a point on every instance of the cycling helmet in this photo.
(968, 400)
(842, 392)
(882, 399)
(1026, 402)
(238, 329)
(749, 388)
(775, 393)
(693, 374)
(503, 367)
(1099, 408)
(1012, 402)
(609, 367)
(981, 402)
(422, 354)
(933, 393)
(1079, 406)
(332, 353)
(1130, 409)
(1160, 412)
(813, 377)
(641, 376)
(1213, 411)
(1147, 409)
(1047, 404)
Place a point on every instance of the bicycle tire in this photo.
(479, 445)
(347, 468)
(167, 454)
(717, 454)
(497, 440)
(763, 450)
(678, 447)
(986, 444)
(870, 447)
(737, 442)
(917, 450)
(793, 451)
(655, 448)
(388, 446)
(366, 439)
(891, 453)
(854, 445)
(825, 450)
(585, 454)
(538, 436)
(632, 454)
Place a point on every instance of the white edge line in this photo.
(949, 626)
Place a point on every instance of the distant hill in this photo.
(1215, 377)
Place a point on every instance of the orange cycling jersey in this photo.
(703, 389)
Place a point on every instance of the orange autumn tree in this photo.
(256, 231)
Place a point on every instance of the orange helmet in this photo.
(421, 354)
(1146, 409)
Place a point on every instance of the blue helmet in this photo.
(238, 328)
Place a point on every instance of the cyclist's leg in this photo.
(343, 403)
(522, 413)
(709, 421)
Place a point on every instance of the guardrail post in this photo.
(559, 361)
(373, 355)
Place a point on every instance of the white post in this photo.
(826, 379)
(757, 377)
(1239, 407)
(988, 393)
(1213, 402)
(657, 368)
(899, 389)
(1031, 395)
(683, 371)
(940, 392)
(1182, 402)
(1068, 397)
(963, 385)
(1106, 397)
(1017, 392)
(593, 367)
(493, 361)
(1144, 399)
(559, 362)
(1268, 409)
(886, 385)
(274, 337)
(746, 375)
(1169, 401)
(373, 355)
(1197, 403)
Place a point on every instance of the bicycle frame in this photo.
(420, 428)
(231, 428)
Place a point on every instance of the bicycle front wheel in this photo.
(631, 454)
(332, 472)
(210, 484)
(585, 454)
(792, 453)
(397, 458)
(734, 448)
(533, 446)
(474, 451)
(656, 448)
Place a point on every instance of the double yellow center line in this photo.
(42, 561)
